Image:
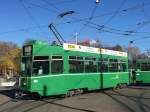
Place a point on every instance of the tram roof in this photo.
(77, 48)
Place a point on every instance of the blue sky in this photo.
(123, 21)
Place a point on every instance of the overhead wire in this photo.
(133, 40)
(90, 22)
(65, 1)
(95, 26)
(142, 24)
(147, 16)
(57, 35)
(30, 16)
(39, 6)
(21, 29)
(90, 18)
(115, 13)
(98, 28)
(31, 27)
(106, 28)
(126, 32)
(52, 5)
(62, 13)
(118, 30)
(59, 10)
(111, 29)
(139, 6)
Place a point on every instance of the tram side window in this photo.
(113, 65)
(90, 65)
(148, 66)
(138, 66)
(76, 64)
(145, 67)
(57, 65)
(103, 65)
(121, 66)
(40, 65)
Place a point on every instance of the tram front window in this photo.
(40, 66)
(26, 66)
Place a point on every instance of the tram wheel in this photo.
(70, 93)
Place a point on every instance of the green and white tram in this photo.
(55, 70)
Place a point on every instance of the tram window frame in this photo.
(58, 61)
(76, 64)
(42, 65)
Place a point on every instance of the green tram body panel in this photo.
(143, 71)
(55, 84)
(112, 79)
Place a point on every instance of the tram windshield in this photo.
(26, 66)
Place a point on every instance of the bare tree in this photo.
(133, 53)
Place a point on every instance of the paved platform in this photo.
(131, 99)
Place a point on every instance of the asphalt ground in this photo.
(130, 99)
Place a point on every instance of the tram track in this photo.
(140, 103)
(119, 102)
(128, 96)
(16, 106)
(4, 103)
(70, 107)
(136, 99)
(25, 104)
(138, 88)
